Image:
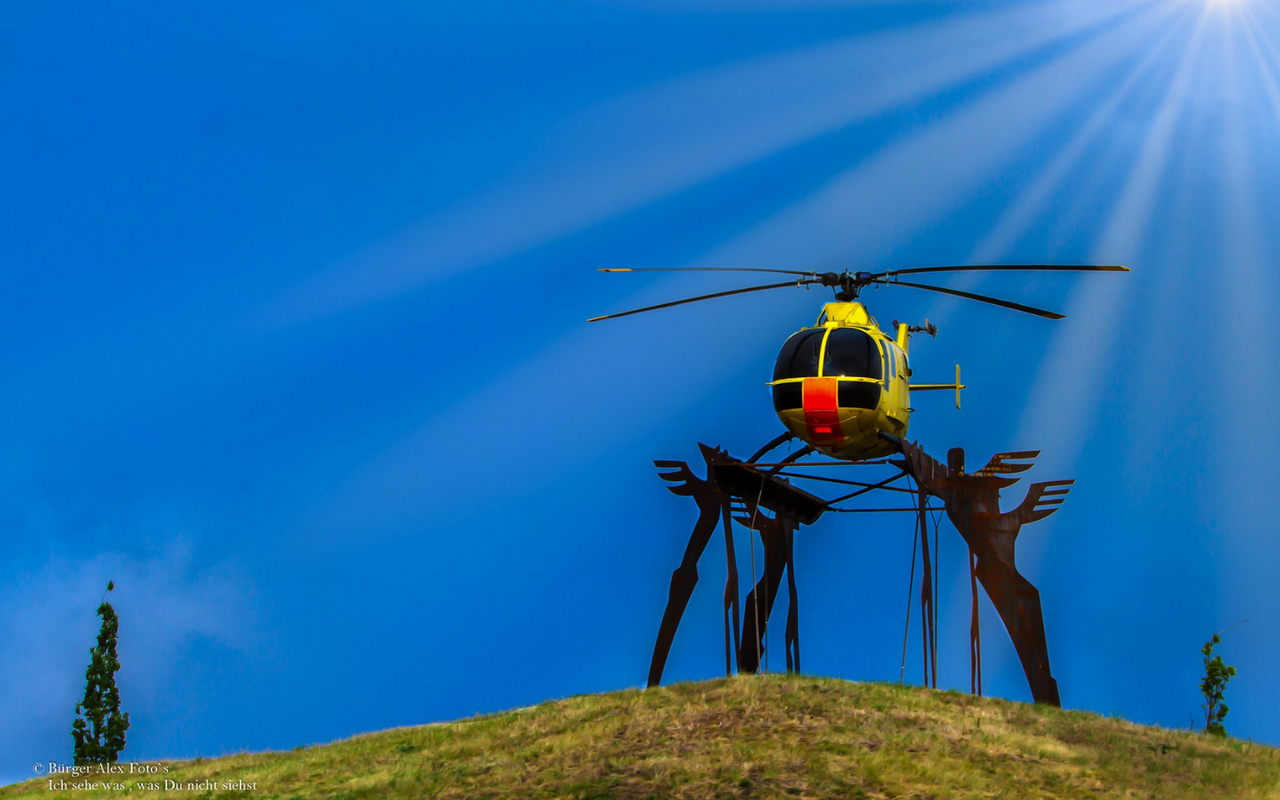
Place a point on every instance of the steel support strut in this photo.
(759, 603)
(730, 587)
(928, 631)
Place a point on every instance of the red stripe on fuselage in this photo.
(820, 414)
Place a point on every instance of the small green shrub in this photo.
(1212, 686)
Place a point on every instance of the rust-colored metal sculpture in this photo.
(972, 502)
(727, 478)
(761, 498)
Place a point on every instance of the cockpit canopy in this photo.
(849, 353)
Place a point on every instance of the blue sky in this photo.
(294, 345)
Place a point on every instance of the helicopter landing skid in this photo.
(736, 490)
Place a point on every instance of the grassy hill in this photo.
(768, 736)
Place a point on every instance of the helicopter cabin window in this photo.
(798, 359)
(890, 365)
(799, 356)
(851, 353)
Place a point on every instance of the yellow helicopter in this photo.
(843, 384)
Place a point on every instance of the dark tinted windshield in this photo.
(799, 356)
(851, 353)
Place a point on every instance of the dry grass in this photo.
(759, 737)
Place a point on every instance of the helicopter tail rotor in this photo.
(928, 328)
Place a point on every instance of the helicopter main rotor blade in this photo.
(1039, 312)
(1007, 268)
(704, 297)
(708, 269)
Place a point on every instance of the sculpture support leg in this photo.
(759, 604)
(975, 636)
(1018, 603)
(730, 591)
(793, 613)
(683, 580)
(927, 632)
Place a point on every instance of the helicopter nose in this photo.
(821, 411)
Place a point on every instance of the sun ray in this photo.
(861, 216)
(1062, 401)
(1266, 68)
(1030, 201)
(649, 144)
(1245, 295)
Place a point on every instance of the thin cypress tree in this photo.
(99, 727)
